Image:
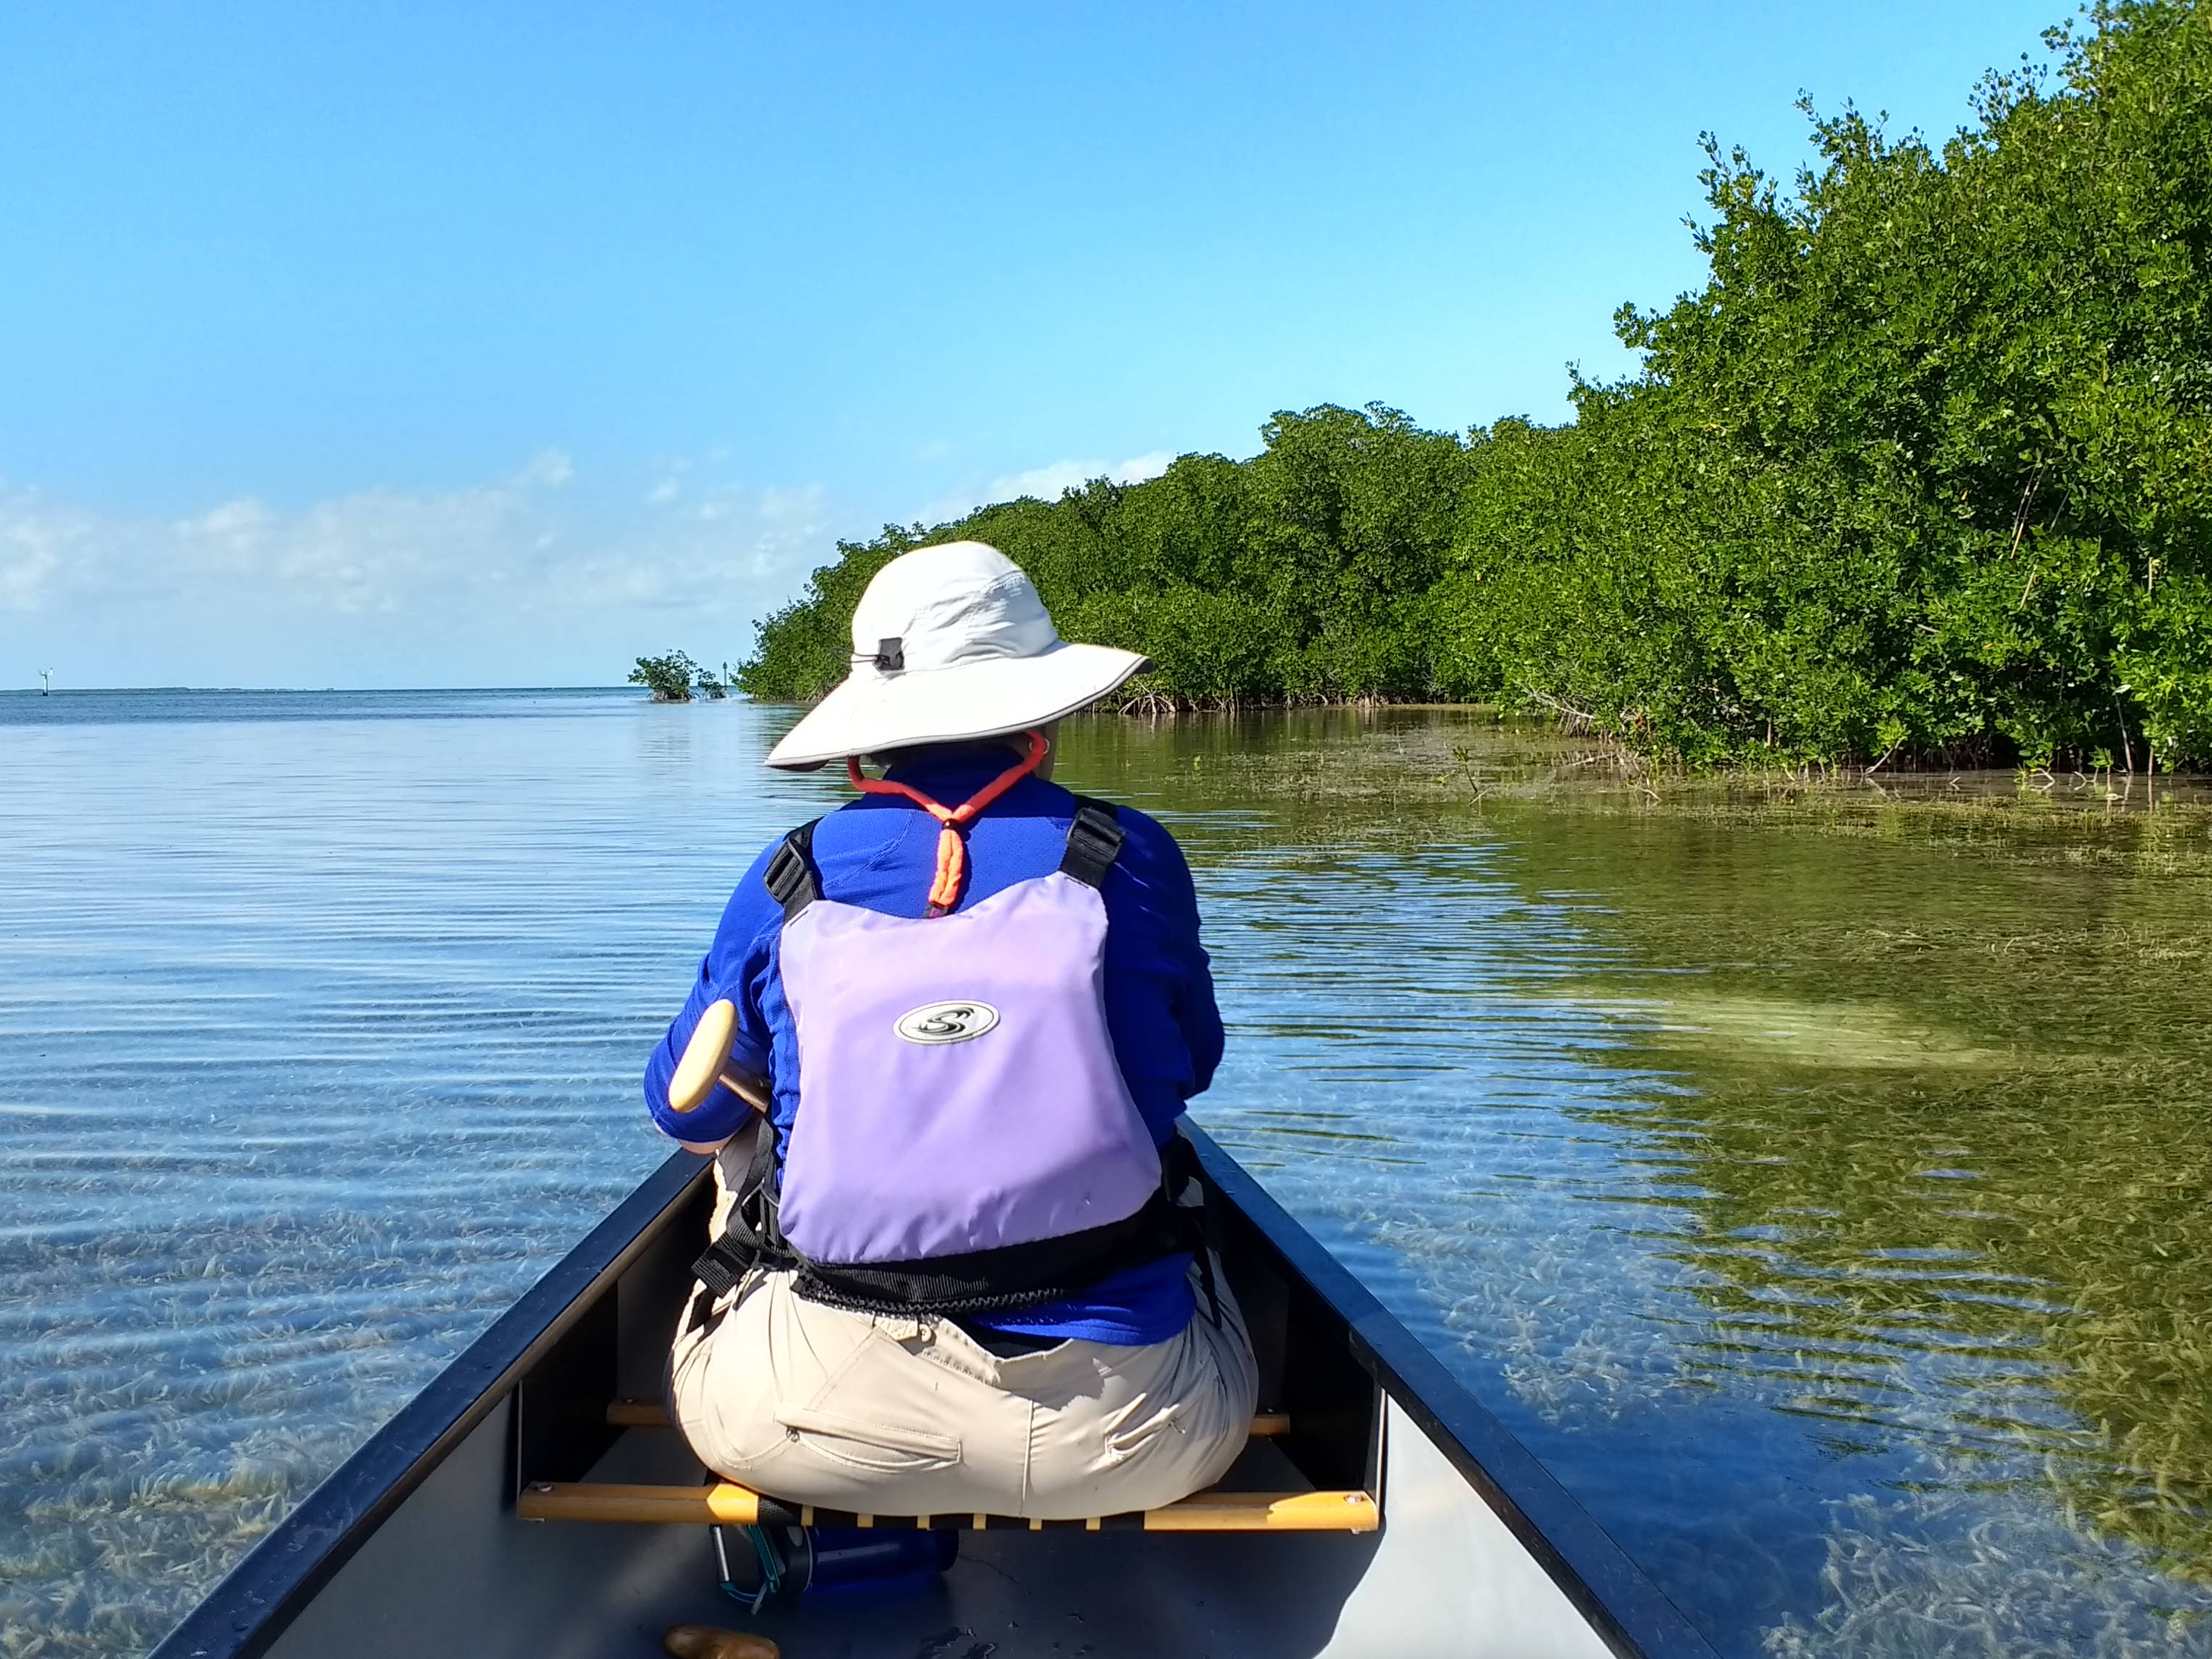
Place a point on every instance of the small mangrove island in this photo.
(1922, 475)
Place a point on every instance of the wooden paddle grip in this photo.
(706, 1062)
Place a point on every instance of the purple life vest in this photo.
(964, 1138)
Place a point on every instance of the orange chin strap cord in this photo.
(952, 845)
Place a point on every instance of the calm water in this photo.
(1816, 1181)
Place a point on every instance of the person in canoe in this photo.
(954, 1269)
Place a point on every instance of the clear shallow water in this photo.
(1815, 1183)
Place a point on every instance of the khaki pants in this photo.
(902, 1416)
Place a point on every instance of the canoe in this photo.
(531, 1501)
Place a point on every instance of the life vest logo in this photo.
(946, 1022)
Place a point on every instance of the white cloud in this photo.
(35, 540)
(545, 574)
(1047, 482)
(549, 468)
(669, 472)
(424, 582)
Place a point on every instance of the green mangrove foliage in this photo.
(1923, 472)
(670, 678)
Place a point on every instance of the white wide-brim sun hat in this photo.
(949, 643)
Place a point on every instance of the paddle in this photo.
(707, 1061)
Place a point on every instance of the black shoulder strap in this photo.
(1094, 841)
(751, 1236)
(791, 877)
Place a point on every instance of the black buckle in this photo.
(1094, 841)
(719, 1269)
(790, 877)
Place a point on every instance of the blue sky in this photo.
(495, 344)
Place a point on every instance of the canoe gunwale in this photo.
(1630, 1613)
(242, 1617)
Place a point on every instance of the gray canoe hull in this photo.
(454, 1573)
(415, 1547)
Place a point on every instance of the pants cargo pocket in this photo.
(1137, 1435)
(865, 1444)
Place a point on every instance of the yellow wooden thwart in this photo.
(729, 1504)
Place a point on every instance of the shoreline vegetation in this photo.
(674, 677)
(1923, 476)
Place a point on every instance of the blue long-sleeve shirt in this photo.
(880, 852)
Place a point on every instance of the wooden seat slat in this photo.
(729, 1504)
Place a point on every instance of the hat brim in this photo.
(872, 712)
